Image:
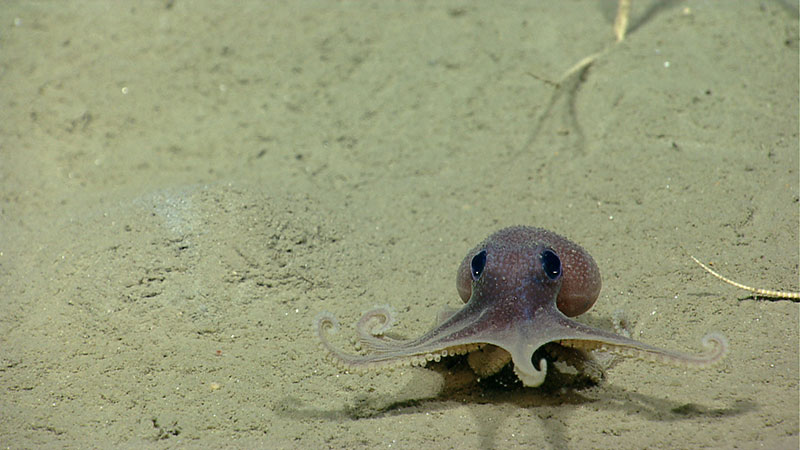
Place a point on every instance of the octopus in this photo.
(521, 287)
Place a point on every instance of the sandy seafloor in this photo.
(187, 184)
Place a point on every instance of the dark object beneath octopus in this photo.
(521, 286)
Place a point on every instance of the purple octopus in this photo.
(520, 287)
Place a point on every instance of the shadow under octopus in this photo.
(521, 286)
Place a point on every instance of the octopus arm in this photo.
(391, 353)
(715, 343)
(372, 328)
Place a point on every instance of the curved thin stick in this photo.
(757, 291)
(621, 21)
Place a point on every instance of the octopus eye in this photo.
(551, 264)
(477, 264)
